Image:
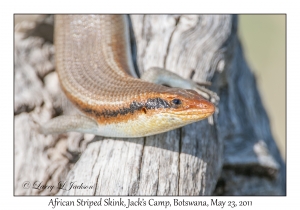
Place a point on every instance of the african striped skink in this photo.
(94, 65)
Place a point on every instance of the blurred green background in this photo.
(263, 40)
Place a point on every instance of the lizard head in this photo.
(187, 105)
(172, 109)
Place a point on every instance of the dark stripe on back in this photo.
(152, 103)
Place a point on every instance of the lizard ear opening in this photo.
(144, 110)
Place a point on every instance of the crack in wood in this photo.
(179, 152)
(140, 165)
(177, 19)
(96, 184)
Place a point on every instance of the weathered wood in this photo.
(186, 161)
(251, 156)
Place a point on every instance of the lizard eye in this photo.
(176, 101)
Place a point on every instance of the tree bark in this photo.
(233, 154)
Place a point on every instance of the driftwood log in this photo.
(233, 154)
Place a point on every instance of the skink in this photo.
(95, 69)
